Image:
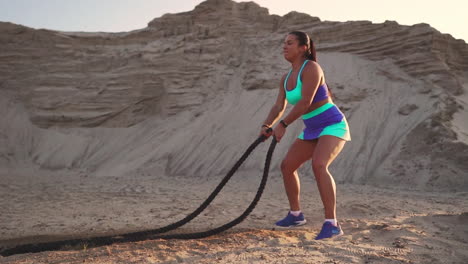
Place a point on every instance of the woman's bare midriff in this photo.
(318, 104)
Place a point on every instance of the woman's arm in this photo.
(278, 108)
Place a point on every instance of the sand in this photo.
(380, 225)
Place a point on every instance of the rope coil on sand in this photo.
(152, 234)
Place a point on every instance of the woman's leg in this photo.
(326, 150)
(299, 152)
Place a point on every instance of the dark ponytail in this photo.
(304, 39)
(312, 55)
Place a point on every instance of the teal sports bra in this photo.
(295, 95)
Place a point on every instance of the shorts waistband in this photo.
(318, 111)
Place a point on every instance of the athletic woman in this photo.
(325, 133)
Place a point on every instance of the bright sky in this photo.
(447, 16)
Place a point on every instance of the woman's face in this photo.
(291, 48)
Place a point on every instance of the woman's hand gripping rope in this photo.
(265, 132)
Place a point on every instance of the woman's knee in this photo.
(287, 167)
(319, 167)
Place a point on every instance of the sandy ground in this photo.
(380, 225)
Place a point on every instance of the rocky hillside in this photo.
(187, 94)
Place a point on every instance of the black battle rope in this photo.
(143, 235)
(243, 215)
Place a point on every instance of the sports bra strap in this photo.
(286, 79)
(300, 71)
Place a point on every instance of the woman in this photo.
(324, 135)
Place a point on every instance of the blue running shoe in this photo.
(291, 220)
(329, 230)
